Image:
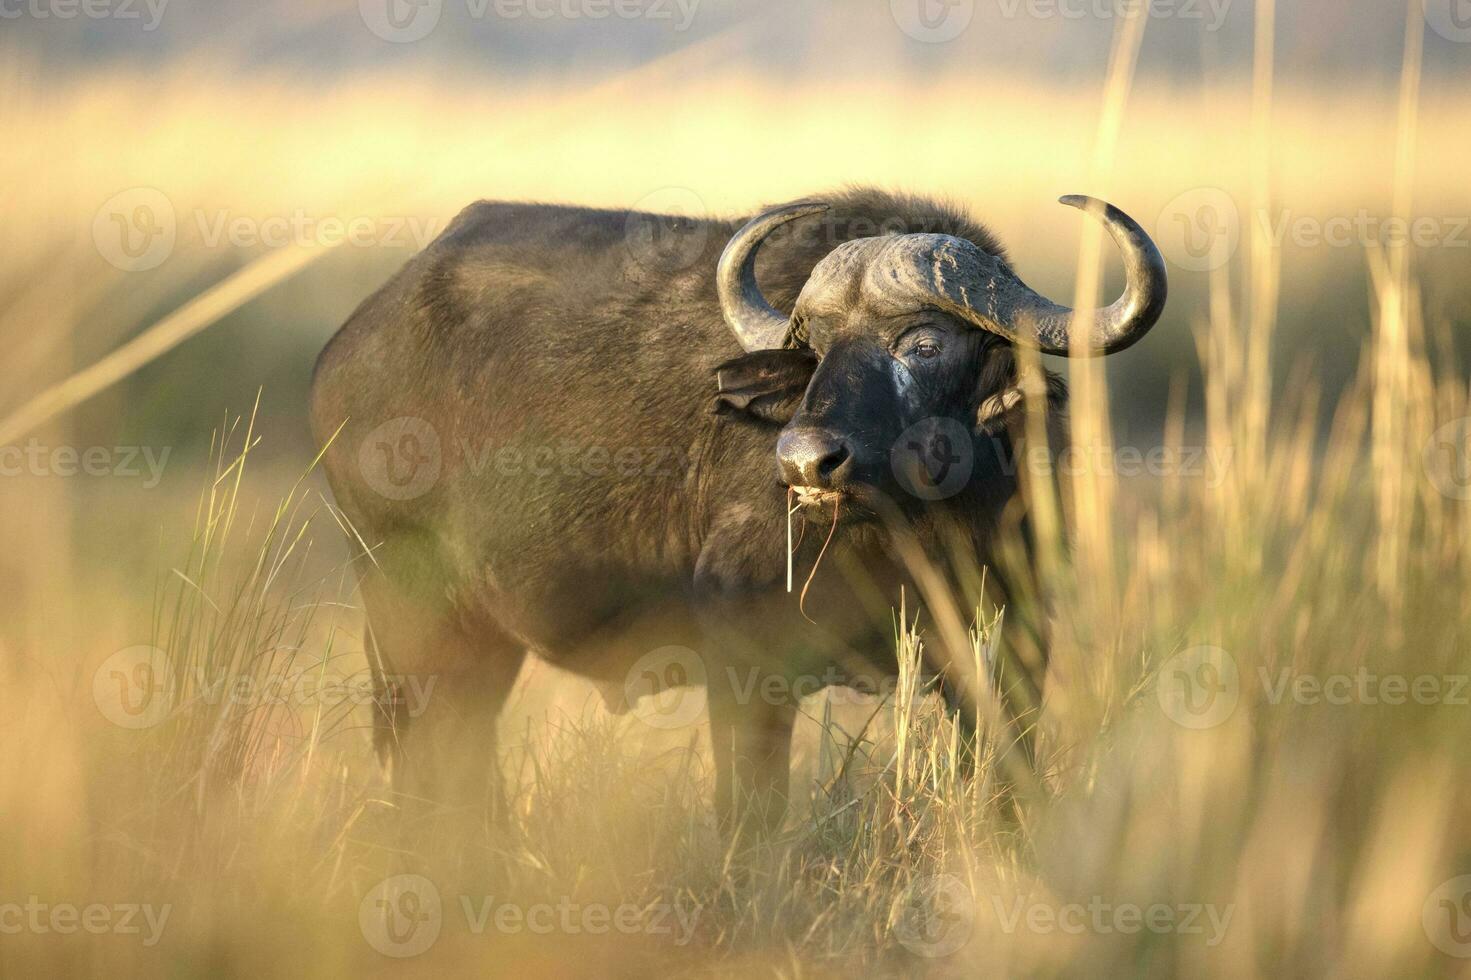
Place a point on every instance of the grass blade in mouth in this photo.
(802, 600)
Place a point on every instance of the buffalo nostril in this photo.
(812, 457)
(829, 464)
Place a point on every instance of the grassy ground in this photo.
(1254, 736)
(1253, 744)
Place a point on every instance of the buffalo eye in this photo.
(922, 348)
(923, 341)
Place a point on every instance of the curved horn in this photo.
(755, 322)
(1029, 317)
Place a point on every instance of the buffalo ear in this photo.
(766, 385)
(1004, 395)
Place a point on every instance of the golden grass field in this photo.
(1254, 740)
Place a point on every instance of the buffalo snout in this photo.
(814, 457)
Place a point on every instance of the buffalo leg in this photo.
(1019, 676)
(440, 692)
(752, 745)
(1016, 682)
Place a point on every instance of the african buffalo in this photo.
(579, 432)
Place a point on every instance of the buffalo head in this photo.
(907, 338)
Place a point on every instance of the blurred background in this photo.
(219, 184)
(242, 127)
(159, 148)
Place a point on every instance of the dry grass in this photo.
(1298, 834)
